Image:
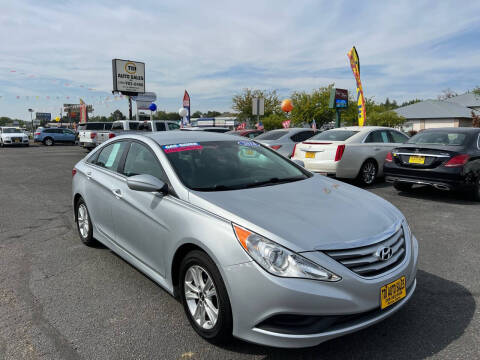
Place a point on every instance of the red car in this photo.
(249, 133)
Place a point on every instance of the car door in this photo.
(102, 174)
(69, 135)
(378, 145)
(141, 219)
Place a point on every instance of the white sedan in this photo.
(349, 152)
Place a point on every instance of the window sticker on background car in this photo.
(181, 147)
(113, 155)
(248, 143)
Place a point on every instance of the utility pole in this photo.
(130, 108)
(31, 121)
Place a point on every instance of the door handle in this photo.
(89, 175)
(376, 149)
(118, 193)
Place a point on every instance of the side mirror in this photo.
(147, 183)
(299, 162)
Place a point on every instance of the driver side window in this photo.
(141, 160)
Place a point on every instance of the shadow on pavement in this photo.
(438, 313)
(429, 193)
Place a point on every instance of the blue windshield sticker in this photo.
(248, 143)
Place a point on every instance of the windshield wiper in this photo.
(275, 180)
(216, 188)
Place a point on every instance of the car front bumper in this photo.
(10, 142)
(257, 296)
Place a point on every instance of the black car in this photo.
(446, 158)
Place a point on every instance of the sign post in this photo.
(258, 107)
(338, 101)
(128, 79)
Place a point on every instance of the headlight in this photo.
(278, 260)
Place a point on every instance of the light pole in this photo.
(31, 120)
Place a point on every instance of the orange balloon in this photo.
(287, 105)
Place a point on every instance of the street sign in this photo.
(144, 100)
(258, 106)
(338, 98)
(128, 77)
(43, 116)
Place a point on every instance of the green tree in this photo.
(273, 121)
(411, 102)
(310, 106)
(213, 113)
(197, 114)
(242, 103)
(476, 91)
(386, 118)
(162, 115)
(116, 115)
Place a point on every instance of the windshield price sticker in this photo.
(181, 147)
(248, 143)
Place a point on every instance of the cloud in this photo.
(215, 48)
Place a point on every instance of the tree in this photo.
(162, 115)
(273, 121)
(447, 94)
(310, 106)
(242, 103)
(116, 115)
(475, 120)
(411, 102)
(210, 114)
(197, 114)
(476, 91)
(387, 118)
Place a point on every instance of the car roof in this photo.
(203, 128)
(179, 137)
(362, 128)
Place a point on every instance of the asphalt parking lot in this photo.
(62, 300)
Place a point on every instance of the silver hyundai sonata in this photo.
(253, 244)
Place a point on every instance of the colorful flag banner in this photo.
(355, 65)
(286, 124)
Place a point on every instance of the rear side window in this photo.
(160, 126)
(398, 137)
(110, 156)
(173, 126)
(334, 135)
(378, 136)
(94, 126)
(302, 136)
(146, 126)
(48, 131)
(117, 126)
(140, 160)
(272, 135)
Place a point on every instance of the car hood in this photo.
(14, 134)
(314, 214)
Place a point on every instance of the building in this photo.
(454, 112)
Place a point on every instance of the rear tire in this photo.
(402, 186)
(48, 141)
(476, 190)
(84, 224)
(201, 281)
(368, 172)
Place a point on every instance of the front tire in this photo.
(368, 173)
(84, 224)
(204, 297)
(402, 186)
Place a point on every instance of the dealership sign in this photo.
(128, 77)
(43, 116)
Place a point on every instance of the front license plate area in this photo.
(417, 160)
(393, 292)
(309, 155)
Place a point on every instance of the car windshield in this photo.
(272, 135)
(450, 138)
(334, 135)
(230, 165)
(11, 131)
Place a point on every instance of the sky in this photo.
(55, 52)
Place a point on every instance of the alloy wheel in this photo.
(201, 297)
(49, 142)
(82, 220)
(368, 172)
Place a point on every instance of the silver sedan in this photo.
(252, 244)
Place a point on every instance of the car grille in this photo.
(362, 260)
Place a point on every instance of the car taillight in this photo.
(458, 160)
(293, 152)
(339, 153)
(316, 143)
(389, 157)
(74, 171)
(37, 133)
(276, 147)
(111, 135)
(93, 135)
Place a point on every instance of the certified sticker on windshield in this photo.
(181, 147)
(248, 143)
